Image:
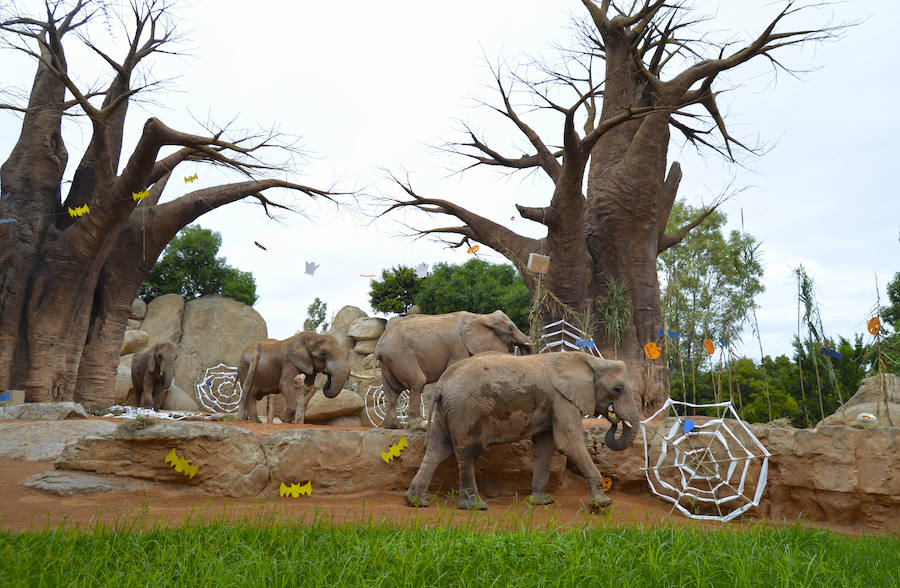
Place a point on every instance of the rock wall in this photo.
(208, 330)
(842, 475)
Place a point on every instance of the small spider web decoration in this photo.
(713, 470)
(374, 398)
(219, 390)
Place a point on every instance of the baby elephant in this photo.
(495, 398)
(152, 371)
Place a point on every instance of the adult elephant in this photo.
(496, 398)
(152, 370)
(272, 367)
(416, 349)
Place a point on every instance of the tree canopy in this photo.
(189, 267)
(315, 317)
(396, 290)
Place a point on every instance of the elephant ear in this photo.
(478, 336)
(299, 355)
(573, 378)
(151, 359)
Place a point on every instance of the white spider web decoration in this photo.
(374, 399)
(219, 390)
(565, 335)
(713, 470)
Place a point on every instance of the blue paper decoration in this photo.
(688, 426)
(723, 343)
(8, 220)
(669, 334)
(584, 343)
(833, 354)
(5, 397)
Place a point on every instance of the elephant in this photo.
(496, 398)
(272, 366)
(416, 349)
(152, 371)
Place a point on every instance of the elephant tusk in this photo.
(626, 423)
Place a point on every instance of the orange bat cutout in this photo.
(79, 211)
(473, 249)
(874, 325)
(140, 195)
(188, 179)
(394, 451)
(295, 490)
(181, 465)
(651, 350)
(709, 346)
(606, 483)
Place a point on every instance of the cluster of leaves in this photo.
(189, 267)
(475, 286)
(315, 317)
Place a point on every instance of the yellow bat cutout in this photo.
(79, 211)
(188, 179)
(140, 195)
(295, 490)
(181, 465)
(394, 451)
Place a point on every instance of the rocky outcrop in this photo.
(178, 399)
(134, 341)
(138, 310)
(230, 460)
(163, 319)
(878, 395)
(43, 411)
(319, 409)
(214, 330)
(44, 441)
(341, 325)
(67, 483)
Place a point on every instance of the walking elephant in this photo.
(496, 398)
(272, 367)
(152, 370)
(415, 350)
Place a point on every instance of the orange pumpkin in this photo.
(709, 345)
(874, 325)
(651, 350)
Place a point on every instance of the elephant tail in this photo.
(431, 424)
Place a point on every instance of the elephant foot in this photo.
(415, 424)
(416, 500)
(471, 501)
(598, 503)
(539, 499)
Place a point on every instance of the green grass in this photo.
(323, 553)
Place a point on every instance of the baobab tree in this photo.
(70, 266)
(655, 77)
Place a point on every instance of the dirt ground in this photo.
(29, 509)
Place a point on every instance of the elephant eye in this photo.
(617, 390)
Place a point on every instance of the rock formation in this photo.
(870, 398)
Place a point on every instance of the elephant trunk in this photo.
(338, 372)
(523, 344)
(629, 429)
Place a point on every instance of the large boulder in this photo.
(163, 320)
(44, 441)
(138, 309)
(365, 328)
(365, 347)
(123, 378)
(215, 330)
(43, 411)
(134, 341)
(230, 460)
(321, 409)
(870, 398)
(341, 324)
(178, 399)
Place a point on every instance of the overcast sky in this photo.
(372, 86)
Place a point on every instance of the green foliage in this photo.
(710, 281)
(476, 286)
(189, 267)
(396, 291)
(891, 313)
(616, 312)
(315, 317)
(274, 553)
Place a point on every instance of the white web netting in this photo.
(707, 467)
(374, 399)
(219, 390)
(563, 336)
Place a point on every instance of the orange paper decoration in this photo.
(709, 345)
(652, 350)
(473, 249)
(874, 325)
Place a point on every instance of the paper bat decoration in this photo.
(295, 490)
(833, 354)
(709, 346)
(584, 343)
(473, 249)
(311, 267)
(421, 270)
(8, 220)
(723, 343)
(260, 246)
(651, 350)
(189, 179)
(181, 465)
(367, 275)
(669, 334)
(394, 450)
(140, 195)
(79, 211)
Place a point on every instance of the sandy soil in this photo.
(28, 509)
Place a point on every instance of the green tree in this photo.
(476, 286)
(189, 267)
(891, 313)
(396, 291)
(316, 316)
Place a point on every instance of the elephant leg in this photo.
(544, 448)
(390, 394)
(468, 487)
(438, 448)
(571, 442)
(289, 389)
(302, 399)
(159, 398)
(415, 420)
(147, 391)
